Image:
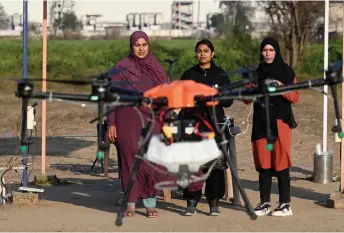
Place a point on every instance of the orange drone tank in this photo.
(181, 94)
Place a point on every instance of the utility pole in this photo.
(198, 13)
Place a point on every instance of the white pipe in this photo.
(342, 142)
(327, 6)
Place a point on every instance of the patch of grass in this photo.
(46, 181)
(77, 59)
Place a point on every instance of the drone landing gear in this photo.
(230, 183)
(101, 132)
(236, 179)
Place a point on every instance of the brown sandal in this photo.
(152, 213)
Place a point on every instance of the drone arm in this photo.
(300, 85)
(64, 96)
(337, 128)
(333, 78)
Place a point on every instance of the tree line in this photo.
(294, 23)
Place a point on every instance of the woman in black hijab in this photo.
(278, 161)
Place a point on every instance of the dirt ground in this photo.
(91, 203)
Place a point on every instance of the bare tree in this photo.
(293, 22)
(237, 15)
(4, 20)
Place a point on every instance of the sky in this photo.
(112, 10)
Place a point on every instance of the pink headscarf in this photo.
(148, 66)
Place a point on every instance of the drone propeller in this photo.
(75, 82)
(72, 82)
(106, 75)
(242, 70)
(109, 73)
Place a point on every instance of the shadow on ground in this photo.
(56, 146)
(87, 168)
(297, 173)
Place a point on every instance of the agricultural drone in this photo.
(180, 148)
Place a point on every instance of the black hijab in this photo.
(277, 70)
(280, 108)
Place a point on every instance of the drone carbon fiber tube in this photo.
(65, 96)
(269, 136)
(338, 127)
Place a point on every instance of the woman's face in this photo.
(140, 48)
(204, 54)
(268, 53)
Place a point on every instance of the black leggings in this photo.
(214, 189)
(265, 182)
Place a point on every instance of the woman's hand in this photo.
(112, 134)
(278, 82)
(250, 85)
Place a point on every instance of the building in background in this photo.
(184, 21)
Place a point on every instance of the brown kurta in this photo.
(280, 157)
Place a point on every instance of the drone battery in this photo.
(173, 129)
(189, 130)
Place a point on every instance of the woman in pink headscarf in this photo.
(125, 123)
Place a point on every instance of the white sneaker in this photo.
(262, 209)
(283, 209)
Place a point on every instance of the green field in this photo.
(78, 59)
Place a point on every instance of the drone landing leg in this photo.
(232, 153)
(235, 177)
(101, 137)
(24, 142)
(338, 127)
(269, 136)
